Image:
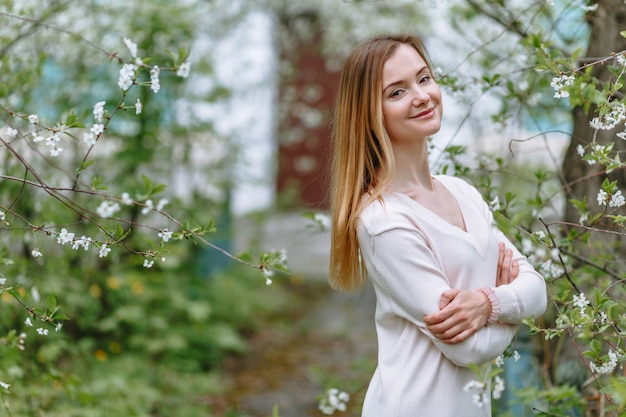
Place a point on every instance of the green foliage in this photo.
(157, 331)
(130, 337)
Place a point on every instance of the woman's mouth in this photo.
(425, 114)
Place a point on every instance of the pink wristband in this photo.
(495, 303)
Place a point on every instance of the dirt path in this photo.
(331, 343)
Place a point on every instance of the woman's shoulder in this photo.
(389, 211)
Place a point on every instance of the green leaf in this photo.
(120, 234)
(51, 303)
(84, 166)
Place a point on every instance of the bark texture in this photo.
(583, 181)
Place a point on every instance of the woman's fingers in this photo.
(508, 269)
(460, 318)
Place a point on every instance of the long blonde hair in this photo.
(362, 159)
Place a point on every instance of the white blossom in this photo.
(617, 199)
(36, 253)
(37, 138)
(83, 242)
(42, 331)
(183, 70)
(494, 205)
(55, 151)
(527, 246)
(57, 328)
(480, 396)
(107, 209)
(138, 107)
(132, 47)
(35, 293)
(595, 123)
(97, 129)
(161, 204)
(606, 367)
(147, 263)
(65, 237)
(89, 138)
(560, 83)
(516, 356)
(33, 118)
(155, 85)
(334, 400)
(148, 206)
(610, 119)
(11, 132)
(126, 199)
(127, 73)
(581, 150)
(602, 197)
(165, 235)
(581, 302)
(499, 361)
(20, 341)
(52, 140)
(98, 110)
(28, 323)
(104, 251)
(4, 385)
(551, 268)
(498, 387)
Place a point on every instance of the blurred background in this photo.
(242, 144)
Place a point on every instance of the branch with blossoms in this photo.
(23, 139)
(129, 77)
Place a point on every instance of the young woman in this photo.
(450, 287)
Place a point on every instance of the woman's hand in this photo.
(508, 269)
(461, 312)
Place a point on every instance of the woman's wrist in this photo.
(495, 303)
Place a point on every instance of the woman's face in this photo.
(411, 98)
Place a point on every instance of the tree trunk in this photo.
(583, 181)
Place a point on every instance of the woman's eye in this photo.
(425, 78)
(395, 93)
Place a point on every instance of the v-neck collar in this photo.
(476, 229)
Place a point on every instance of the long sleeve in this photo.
(526, 296)
(403, 268)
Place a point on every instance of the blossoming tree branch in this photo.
(99, 228)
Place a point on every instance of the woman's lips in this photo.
(424, 114)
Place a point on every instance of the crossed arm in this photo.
(463, 312)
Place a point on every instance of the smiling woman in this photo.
(450, 287)
(411, 98)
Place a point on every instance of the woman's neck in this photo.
(412, 167)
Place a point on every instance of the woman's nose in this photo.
(420, 95)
